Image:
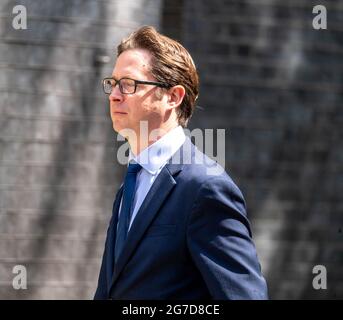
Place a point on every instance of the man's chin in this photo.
(126, 133)
(117, 127)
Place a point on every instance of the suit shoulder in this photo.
(204, 171)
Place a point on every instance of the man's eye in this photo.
(128, 83)
(108, 84)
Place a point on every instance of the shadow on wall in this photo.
(59, 239)
(273, 82)
(302, 170)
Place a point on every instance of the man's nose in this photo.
(116, 95)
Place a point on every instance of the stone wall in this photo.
(58, 165)
(275, 84)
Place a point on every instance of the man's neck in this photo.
(139, 143)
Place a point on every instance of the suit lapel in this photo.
(155, 198)
(157, 194)
(112, 237)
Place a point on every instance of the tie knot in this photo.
(134, 168)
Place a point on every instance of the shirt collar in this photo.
(156, 155)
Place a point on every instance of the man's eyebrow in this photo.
(126, 76)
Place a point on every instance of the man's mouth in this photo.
(119, 112)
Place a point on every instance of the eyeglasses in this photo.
(127, 85)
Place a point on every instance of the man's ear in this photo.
(175, 96)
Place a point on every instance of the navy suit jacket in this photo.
(191, 238)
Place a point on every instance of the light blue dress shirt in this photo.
(153, 159)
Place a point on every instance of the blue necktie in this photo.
(126, 208)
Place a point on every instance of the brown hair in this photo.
(171, 63)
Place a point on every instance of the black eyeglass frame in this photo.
(152, 83)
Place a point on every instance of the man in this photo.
(178, 229)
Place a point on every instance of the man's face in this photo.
(128, 110)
